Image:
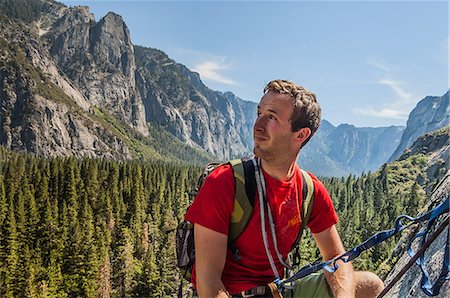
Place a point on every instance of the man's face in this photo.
(272, 133)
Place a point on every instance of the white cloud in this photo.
(210, 70)
(398, 108)
(382, 113)
(382, 65)
(403, 95)
(209, 66)
(402, 101)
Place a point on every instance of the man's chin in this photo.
(258, 151)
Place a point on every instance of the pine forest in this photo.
(98, 228)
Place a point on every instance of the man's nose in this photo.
(260, 123)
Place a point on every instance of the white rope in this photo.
(262, 197)
(271, 222)
(263, 225)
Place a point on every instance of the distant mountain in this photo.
(346, 149)
(431, 113)
(73, 86)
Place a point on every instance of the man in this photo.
(288, 116)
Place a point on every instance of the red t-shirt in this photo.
(213, 206)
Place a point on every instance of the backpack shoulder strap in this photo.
(307, 203)
(245, 188)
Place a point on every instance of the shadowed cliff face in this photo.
(99, 59)
(175, 98)
(41, 111)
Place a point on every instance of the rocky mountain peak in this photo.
(75, 16)
(111, 45)
(99, 59)
(431, 113)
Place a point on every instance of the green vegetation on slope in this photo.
(24, 10)
(160, 145)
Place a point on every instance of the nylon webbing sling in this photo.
(331, 265)
(419, 253)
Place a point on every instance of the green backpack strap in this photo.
(307, 203)
(243, 198)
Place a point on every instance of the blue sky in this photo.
(369, 62)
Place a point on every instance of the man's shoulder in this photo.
(313, 177)
(318, 185)
(223, 173)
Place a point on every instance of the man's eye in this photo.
(272, 117)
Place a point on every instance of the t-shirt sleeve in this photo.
(214, 203)
(323, 215)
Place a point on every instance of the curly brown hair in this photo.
(307, 112)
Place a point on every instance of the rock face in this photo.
(346, 149)
(431, 113)
(409, 284)
(436, 145)
(99, 59)
(175, 98)
(41, 111)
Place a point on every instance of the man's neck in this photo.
(282, 171)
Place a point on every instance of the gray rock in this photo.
(99, 59)
(40, 110)
(175, 98)
(438, 190)
(431, 113)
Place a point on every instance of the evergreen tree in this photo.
(12, 259)
(124, 266)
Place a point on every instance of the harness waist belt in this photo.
(259, 291)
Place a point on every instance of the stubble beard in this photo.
(262, 153)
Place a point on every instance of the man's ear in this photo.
(303, 134)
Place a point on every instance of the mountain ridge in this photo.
(100, 86)
(346, 149)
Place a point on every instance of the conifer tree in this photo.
(414, 200)
(124, 266)
(12, 259)
(3, 235)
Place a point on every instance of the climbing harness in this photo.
(332, 265)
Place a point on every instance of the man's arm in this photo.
(330, 245)
(210, 256)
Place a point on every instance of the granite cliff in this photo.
(43, 110)
(99, 58)
(175, 98)
(431, 113)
